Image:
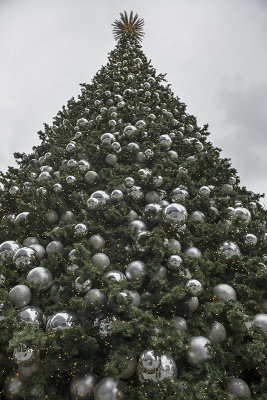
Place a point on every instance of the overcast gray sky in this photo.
(213, 51)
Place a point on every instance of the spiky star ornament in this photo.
(132, 24)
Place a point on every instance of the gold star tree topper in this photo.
(132, 24)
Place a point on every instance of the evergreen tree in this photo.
(131, 258)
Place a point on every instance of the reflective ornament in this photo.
(161, 273)
(198, 350)
(136, 192)
(57, 187)
(82, 387)
(137, 225)
(39, 250)
(130, 369)
(204, 191)
(133, 295)
(174, 261)
(24, 256)
(194, 287)
(24, 355)
(8, 248)
(14, 190)
(41, 276)
(165, 141)
(44, 176)
(232, 180)
(179, 323)
(224, 224)
(104, 325)
(135, 271)
(82, 285)
(217, 334)
(111, 159)
(71, 146)
(32, 315)
(107, 389)
(95, 297)
(192, 304)
(83, 165)
(67, 216)
(175, 214)
(140, 157)
(97, 242)
(115, 276)
(101, 260)
(260, 320)
(149, 153)
(54, 247)
(140, 124)
(193, 252)
(129, 182)
(20, 295)
(151, 210)
(152, 197)
(90, 177)
(81, 229)
(243, 214)
(224, 292)
(22, 217)
(101, 196)
(167, 369)
(61, 320)
(250, 239)
(28, 241)
(92, 203)
(41, 191)
(70, 180)
(173, 154)
(179, 194)
(116, 147)
(197, 216)
(116, 194)
(107, 138)
(157, 180)
(227, 188)
(13, 386)
(51, 216)
(149, 362)
(238, 388)
(229, 250)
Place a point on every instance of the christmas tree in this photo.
(131, 259)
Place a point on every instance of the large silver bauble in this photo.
(174, 261)
(24, 256)
(238, 388)
(97, 242)
(24, 355)
(115, 276)
(193, 252)
(135, 271)
(82, 387)
(61, 320)
(243, 214)
(229, 249)
(179, 323)
(90, 177)
(111, 159)
(82, 285)
(165, 141)
(133, 295)
(194, 287)
(9, 248)
(95, 297)
(83, 165)
(132, 215)
(32, 315)
(172, 244)
(137, 225)
(39, 250)
(80, 229)
(179, 194)
(250, 239)
(130, 369)
(92, 203)
(13, 386)
(29, 241)
(54, 247)
(107, 389)
(52, 217)
(101, 196)
(198, 350)
(260, 320)
(175, 214)
(101, 260)
(192, 304)
(41, 276)
(20, 295)
(22, 217)
(149, 362)
(197, 216)
(224, 292)
(217, 334)
(166, 369)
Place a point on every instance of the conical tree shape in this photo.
(130, 256)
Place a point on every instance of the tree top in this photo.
(128, 24)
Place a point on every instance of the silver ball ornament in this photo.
(229, 250)
(238, 388)
(32, 315)
(243, 214)
(28, 241)
(82, 387)
(41, 276)
(198, 350)
(97, 242)
(90, 177)
(224, 292)
(192, 304)
(115, 276)
(179, 323)
(194, 287)
(217, 334)
(67, 216)
(129, 370)
(52, 217)
(54, 247)
(101, 260)
(175, 214)
(107, 389)
(135, 271)
(260, 320)
(20, 295)
(250, 239)
(197, 216)
(193, 252)
(9, 248)
(61, 320)
(24, 256)
(174, 261)
(95, 297)
(80, 229)
(13, 386)
(24, 355)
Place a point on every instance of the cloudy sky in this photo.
(213, 51)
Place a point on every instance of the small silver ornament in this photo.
(80, 229)
(67, 216)
(20, 295)
(101, 260)
(61, 320)
(179, 194)
(82, 285)
(9, 248)
(116, 194)
(198, 350)
(193, 252)
(70, 179)
(192, 304)
(97, 242)
(41, 276)
(194, 287)
(229, 250)
(57, 187)
(115, 276)
(217, 334)
(28, 241)
(250, 239)
(24, 256)
(165, 141)
(238, 388)
(260, 320)
(101, 196)
(175, 214)
(95, 297)
(204, 191)
(197, 216)
(51, 216)
(166, 369)
(111, 159)
(137, 225)
(179, 323)
(92, 203)
(90, 177)
(107, 389)
(133, 295)
(149, 362)
(32, 315)
(24, 355)
(224, 292)
(174, 261)
(135, 271)
(83, 387)
(54, 247)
